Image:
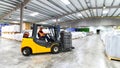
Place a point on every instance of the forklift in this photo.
(33, 45)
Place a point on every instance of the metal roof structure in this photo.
(59, 10)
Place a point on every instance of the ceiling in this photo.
(51, 11)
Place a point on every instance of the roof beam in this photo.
(74, 7)
(118, 14)
(82, 8)
(91, 9)
(72, 11)
(109, 8)
(80, 11)
(96, 6)
(36, 9)
(88, 8)
(43, 8)
(14, 9)
(52, 2)
(50, 7)
(78, 20)
(115, 11)
(103, 8)
(6, 4)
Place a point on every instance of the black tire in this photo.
(55, 49)
(26, 51)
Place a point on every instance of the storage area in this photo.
(59, 33)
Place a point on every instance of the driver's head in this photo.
(40, 29)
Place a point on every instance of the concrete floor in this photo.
(88, 53)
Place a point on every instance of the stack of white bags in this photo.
(15, 28)
(11, 28)
(9, 32)
(78, 35)
(111, 41)
(17, 37)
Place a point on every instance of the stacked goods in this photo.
(10, 31)
(104, 34)
(66, 40)
(11, 28)
(13, 32)
(112, 44)
(17, 36)
(76, 35)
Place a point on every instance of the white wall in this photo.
(102, 28)
(93, 22)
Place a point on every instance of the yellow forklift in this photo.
(32, 45)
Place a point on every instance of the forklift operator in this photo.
(41, 34)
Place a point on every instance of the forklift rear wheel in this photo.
(26, 51)
(55, 49)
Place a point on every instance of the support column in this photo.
(21, 16)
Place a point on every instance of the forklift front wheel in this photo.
(26, 51)
(55, 49)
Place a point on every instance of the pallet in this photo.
(113, 58)
(76, 38)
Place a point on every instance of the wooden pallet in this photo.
(113, 58)
(76, 38)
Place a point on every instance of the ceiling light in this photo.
(43, 23)
(14, 22)
(94, 10)
(58, 19)
(79, 14)
(24, 19)
(34, 14)
(54, 20)
(10, 17)
(65, 2)
(104, 7)
(105, 11)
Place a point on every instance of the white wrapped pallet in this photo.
(107, 43)
(112, 46)
(11, 28)
(78, 35)
(16, 28)
(9, 31)
(19, 37)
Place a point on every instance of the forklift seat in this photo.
(42, 38)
